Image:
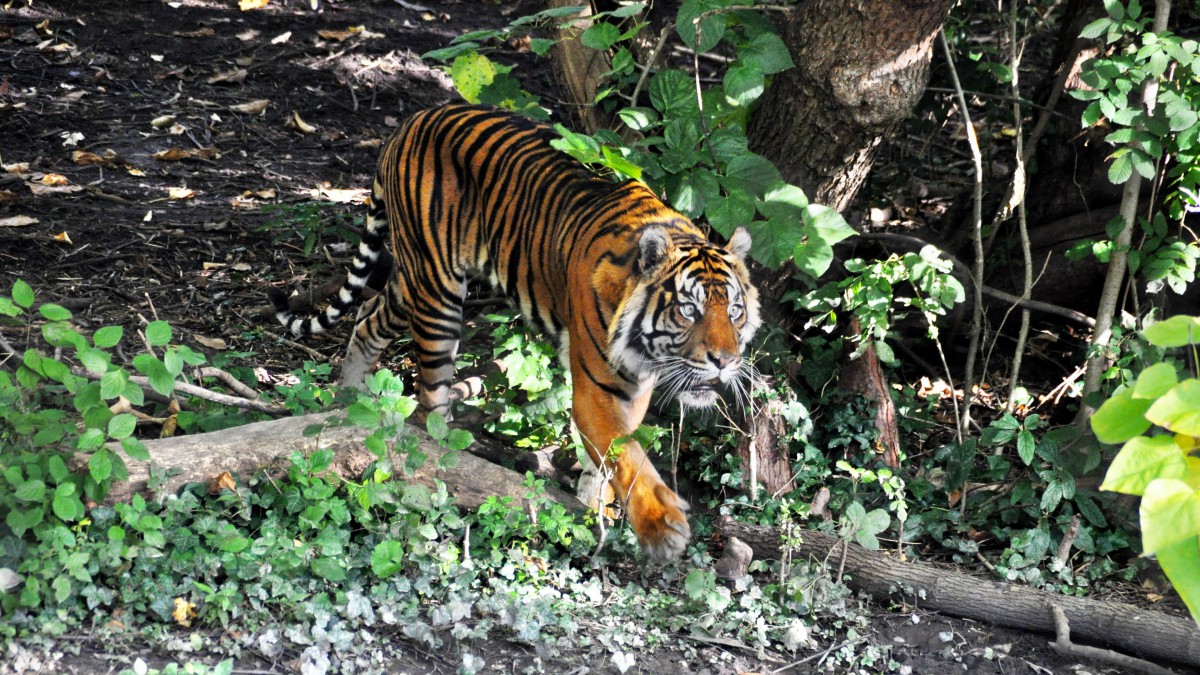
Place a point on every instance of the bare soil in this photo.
(164, 219)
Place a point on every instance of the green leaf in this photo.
(1170, 513)
(1177, 331)
(600, 36)
(158, 333)
(708, 33)
(823, 227)
(66, 504)
(1181, 563)
(22, 294)
(629, 10)
(1026, 447)
(471, 72)
(230, 540)
(1142, 460)
(638, 119)
(1120, 418)
(121, 426)
(135, 449)
(753, 173)
(100, 465)
(769, 51)
(1179, 409)
(1116, 11)
(459, 439)
(387, 558)
(1120, 170)
(689, 192)
(95, 360)
(744, 83)
(1155, 381)
(54, 312)
(436, 425)
(32, 490)
(726, 212)
(671, 91)
(329, 568)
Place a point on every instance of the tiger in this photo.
(630, 291)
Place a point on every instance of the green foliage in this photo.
(530, 401)
(1141, 140)
(1163, 468)
(872, 291)
(689, 144)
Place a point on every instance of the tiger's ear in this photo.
(739, 243)
(653, 247)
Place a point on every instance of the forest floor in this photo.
(144, 144)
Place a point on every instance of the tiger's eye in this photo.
(735, 311)
(688, 312)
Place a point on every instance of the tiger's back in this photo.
(630, 290)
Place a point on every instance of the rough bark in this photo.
(1128, 628)
(579, 70)
(766, 460)
(247, 449)
(865, 376)
(860, 69)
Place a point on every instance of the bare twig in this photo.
(1063, 645)
(1017, 198)
(1064, 547)
(199, 392)
(237, 386)
(663, 35)
(976, 236)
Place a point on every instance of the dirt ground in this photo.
(141, 140)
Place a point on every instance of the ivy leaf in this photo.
(329, 568)
(387, 558)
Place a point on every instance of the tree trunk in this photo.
(578, 69)
(1135, 630)
(864, 376)
(860, 69)
(245, 450)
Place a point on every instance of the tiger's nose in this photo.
(722, 359)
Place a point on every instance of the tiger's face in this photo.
(689, 318)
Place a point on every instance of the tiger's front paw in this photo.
(660, 522)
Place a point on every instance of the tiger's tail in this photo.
(366, 259)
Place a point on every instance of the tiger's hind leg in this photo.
(380, 320)
(437, 320)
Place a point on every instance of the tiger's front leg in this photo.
(655, 512)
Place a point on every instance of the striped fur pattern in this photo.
(632, 292)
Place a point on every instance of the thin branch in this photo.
(976, 236)
(199, 392)
(1017, 191)
(663, 35)
(1063, 645)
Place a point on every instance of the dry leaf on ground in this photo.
(17, 221)
(251, 108)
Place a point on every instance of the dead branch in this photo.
(1129, 628)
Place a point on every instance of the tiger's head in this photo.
(689, 316)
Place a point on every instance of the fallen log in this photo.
(258, 446)
(1149, 634)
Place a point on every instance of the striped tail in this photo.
(365, 260)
